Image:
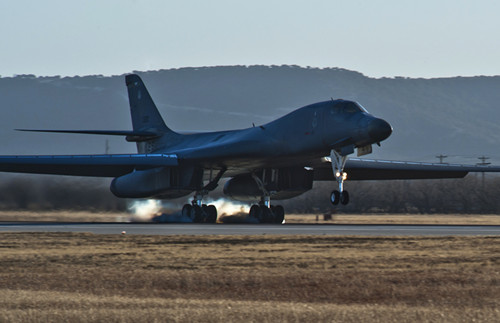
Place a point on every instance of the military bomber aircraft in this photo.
(274, 161)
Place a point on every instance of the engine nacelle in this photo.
(283, 183)
(162, 182)
(243, 188)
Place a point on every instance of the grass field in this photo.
(47, 277)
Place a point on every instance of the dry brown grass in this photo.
(90, 278)
(62, 216)
(70, 307)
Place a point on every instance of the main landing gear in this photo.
(198, 212)
(263, 213)
(338, 164)
(202, 213)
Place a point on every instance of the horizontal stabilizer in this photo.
(131, 135)
(86, 165)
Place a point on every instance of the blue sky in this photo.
(424, 38)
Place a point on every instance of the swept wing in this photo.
(371, 169)
(86, 165)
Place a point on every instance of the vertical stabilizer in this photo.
(145, 115)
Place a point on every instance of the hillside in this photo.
(455, 116)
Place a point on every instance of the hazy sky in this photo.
(425, 38)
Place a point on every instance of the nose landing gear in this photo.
(337, 197)
(338, 163)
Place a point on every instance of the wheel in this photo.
(335, 197)
(279, 214)
(211, 212)
(186, 211)
(255, 212)
(204, 213)
(197, 214)
(266, 216)
(344, 198)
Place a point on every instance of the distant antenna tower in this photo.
(441, 158)
(483, 160)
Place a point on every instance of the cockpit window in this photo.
(349, 107)
(361, 107)
(336, 109)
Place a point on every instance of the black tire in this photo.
(335, 197)
(197, 214)
(211, 212)
(204, 213)
(186, 211)
(254, 212)
(266, 216)
(344, 198)
(279, 214)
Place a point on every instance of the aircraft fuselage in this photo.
(313, 130)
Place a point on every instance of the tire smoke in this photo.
(163, 211)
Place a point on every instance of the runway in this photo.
(254, 229)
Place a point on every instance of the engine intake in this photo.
(281, 184)
(162, 182)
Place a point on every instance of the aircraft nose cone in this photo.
(379, 129)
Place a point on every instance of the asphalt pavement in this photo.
(253, 229)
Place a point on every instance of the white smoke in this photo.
(226, 207)
(145, 210)
(148, 210)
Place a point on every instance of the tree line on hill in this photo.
(456, 116)
(470, 195)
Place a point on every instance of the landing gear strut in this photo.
(202, 213)
(264, 212)
(338, 164)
